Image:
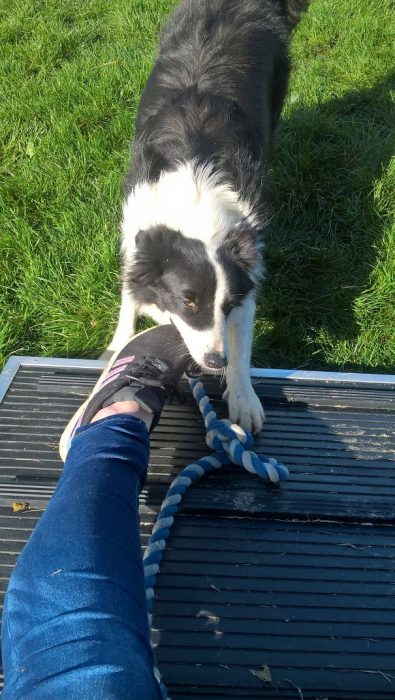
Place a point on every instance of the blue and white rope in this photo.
(232, 445)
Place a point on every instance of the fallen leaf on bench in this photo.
(263, 674)
(19, 507)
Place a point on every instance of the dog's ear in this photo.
(149, 258)
(241, 247)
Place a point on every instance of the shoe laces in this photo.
(155, 372)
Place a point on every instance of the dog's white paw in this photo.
(245, 408)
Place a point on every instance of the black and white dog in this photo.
(194, 214)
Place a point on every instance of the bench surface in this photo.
(264, 591)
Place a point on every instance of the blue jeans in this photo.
(75, 621)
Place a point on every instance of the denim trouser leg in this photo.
(75, 622)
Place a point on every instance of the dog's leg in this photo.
(125, 327)
(244, 406)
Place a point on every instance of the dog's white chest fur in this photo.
(191, 200)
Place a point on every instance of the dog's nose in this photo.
(214, 360)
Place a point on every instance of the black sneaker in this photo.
(146, 370)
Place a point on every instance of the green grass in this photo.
(71, 75)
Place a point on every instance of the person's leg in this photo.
(75, 621)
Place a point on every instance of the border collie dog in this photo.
(194, 214)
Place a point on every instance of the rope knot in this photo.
(230, 438)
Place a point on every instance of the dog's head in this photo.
(198, 286)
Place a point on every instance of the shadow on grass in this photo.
(327, 234)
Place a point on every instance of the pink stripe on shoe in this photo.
(115, 371)
(108, 380)
(111, 375)
(123, 361)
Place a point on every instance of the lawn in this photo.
(71, 74)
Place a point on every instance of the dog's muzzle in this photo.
(214, 360)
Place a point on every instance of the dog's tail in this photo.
(293, 10)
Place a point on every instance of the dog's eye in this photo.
(190, 304)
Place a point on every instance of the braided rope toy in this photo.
(232, 445)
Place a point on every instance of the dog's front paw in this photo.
(245, 408)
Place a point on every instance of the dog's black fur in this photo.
(213, 95)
